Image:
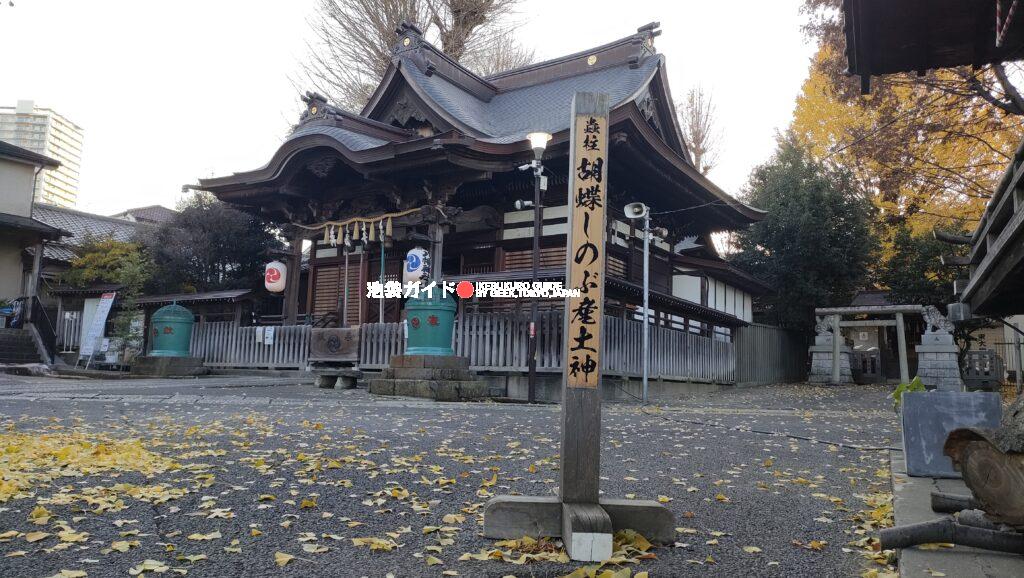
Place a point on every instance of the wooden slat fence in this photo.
(223, 344)
(499, 342)
(378, 342)
(768, 354)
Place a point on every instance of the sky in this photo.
(169, 92)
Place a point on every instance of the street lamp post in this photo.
(538, 142)
(641, 211)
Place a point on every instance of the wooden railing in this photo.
(499, 342)
(378, 342)
(223, 344)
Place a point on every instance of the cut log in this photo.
(948, 531)
(951, 503)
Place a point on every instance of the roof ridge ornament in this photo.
(316, 107)
(410, 37)
(645, 36)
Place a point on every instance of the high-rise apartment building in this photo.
(44, 131)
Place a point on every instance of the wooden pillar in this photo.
(837, 336)
(436, 235)
(37, 270)
(33, 282)
(291, 291)
(901, 343)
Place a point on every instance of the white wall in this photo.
(721, 296)
(728, 299)
(686, 287)
(16, 188)
(11, 274)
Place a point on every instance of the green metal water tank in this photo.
(431, 324)
(171, 331)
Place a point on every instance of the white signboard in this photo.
(268, 335)
(99, 321)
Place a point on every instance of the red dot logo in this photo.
(464, 290)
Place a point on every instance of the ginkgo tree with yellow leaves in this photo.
(929, 148)
(926, 157)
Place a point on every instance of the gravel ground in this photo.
(237, 440)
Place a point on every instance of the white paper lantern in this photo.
(417, 265)
(275, 276)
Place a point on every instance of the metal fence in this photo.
(224, 344)
(768, 354)
(69, 333)
(1012, 354)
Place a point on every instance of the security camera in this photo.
(636, 210)
(520, 204)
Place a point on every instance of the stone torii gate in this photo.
(938, 367)
(830, 357)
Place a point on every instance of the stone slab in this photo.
(927, 419)
(427, 373)
(937, 338)
(382, 386)
(431, 389)
(167, 366)
(912, 505)
(509, 517)
(432, 361)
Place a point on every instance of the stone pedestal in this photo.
(168, 366)
(937, 364)
(821, 361)
(437, 377)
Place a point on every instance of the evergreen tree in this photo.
(815, 245)
(209, 246)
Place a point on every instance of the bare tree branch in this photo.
(353, 41)
(697, 115)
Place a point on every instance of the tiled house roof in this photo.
(154, 214)
(82, 226)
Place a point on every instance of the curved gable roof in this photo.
(511, 114)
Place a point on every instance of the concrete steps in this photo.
(16, 346)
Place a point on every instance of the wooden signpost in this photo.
(585, 521)
(586, 527)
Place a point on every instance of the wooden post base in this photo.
(586, 532)
(512, 517)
